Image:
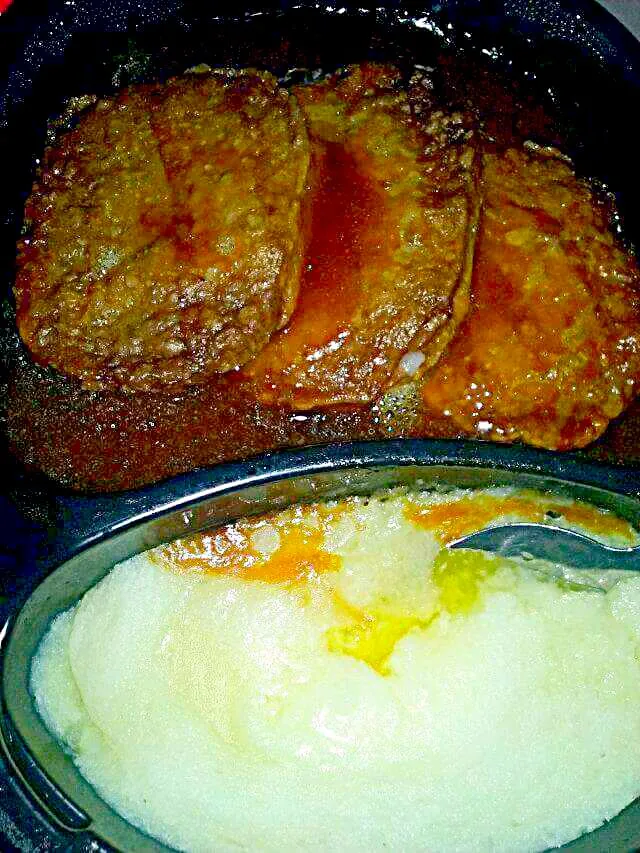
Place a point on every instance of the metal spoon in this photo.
(548, 542)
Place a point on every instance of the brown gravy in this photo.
(109, 441)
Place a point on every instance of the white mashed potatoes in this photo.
(329, 678)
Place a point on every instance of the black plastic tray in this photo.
(51, 50)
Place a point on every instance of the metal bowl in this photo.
(222, 495)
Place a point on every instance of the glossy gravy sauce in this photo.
(111, 441)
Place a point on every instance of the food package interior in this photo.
(226, 263)
(338, 674)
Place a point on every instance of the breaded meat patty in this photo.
(164, 235)
(387, 270)
(550, 350)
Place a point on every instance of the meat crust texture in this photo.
(405, 324)
(393, 215)
(550, 350)
(165, 242)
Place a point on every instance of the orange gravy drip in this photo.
(346, 207)
(449, 521)
(299, 556)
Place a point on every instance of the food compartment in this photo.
(244, 498)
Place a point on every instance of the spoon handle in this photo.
(548, 542)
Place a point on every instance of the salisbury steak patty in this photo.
(550, 350)
(392, 231)
(164, 232)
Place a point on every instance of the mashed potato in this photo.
(330, 677)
